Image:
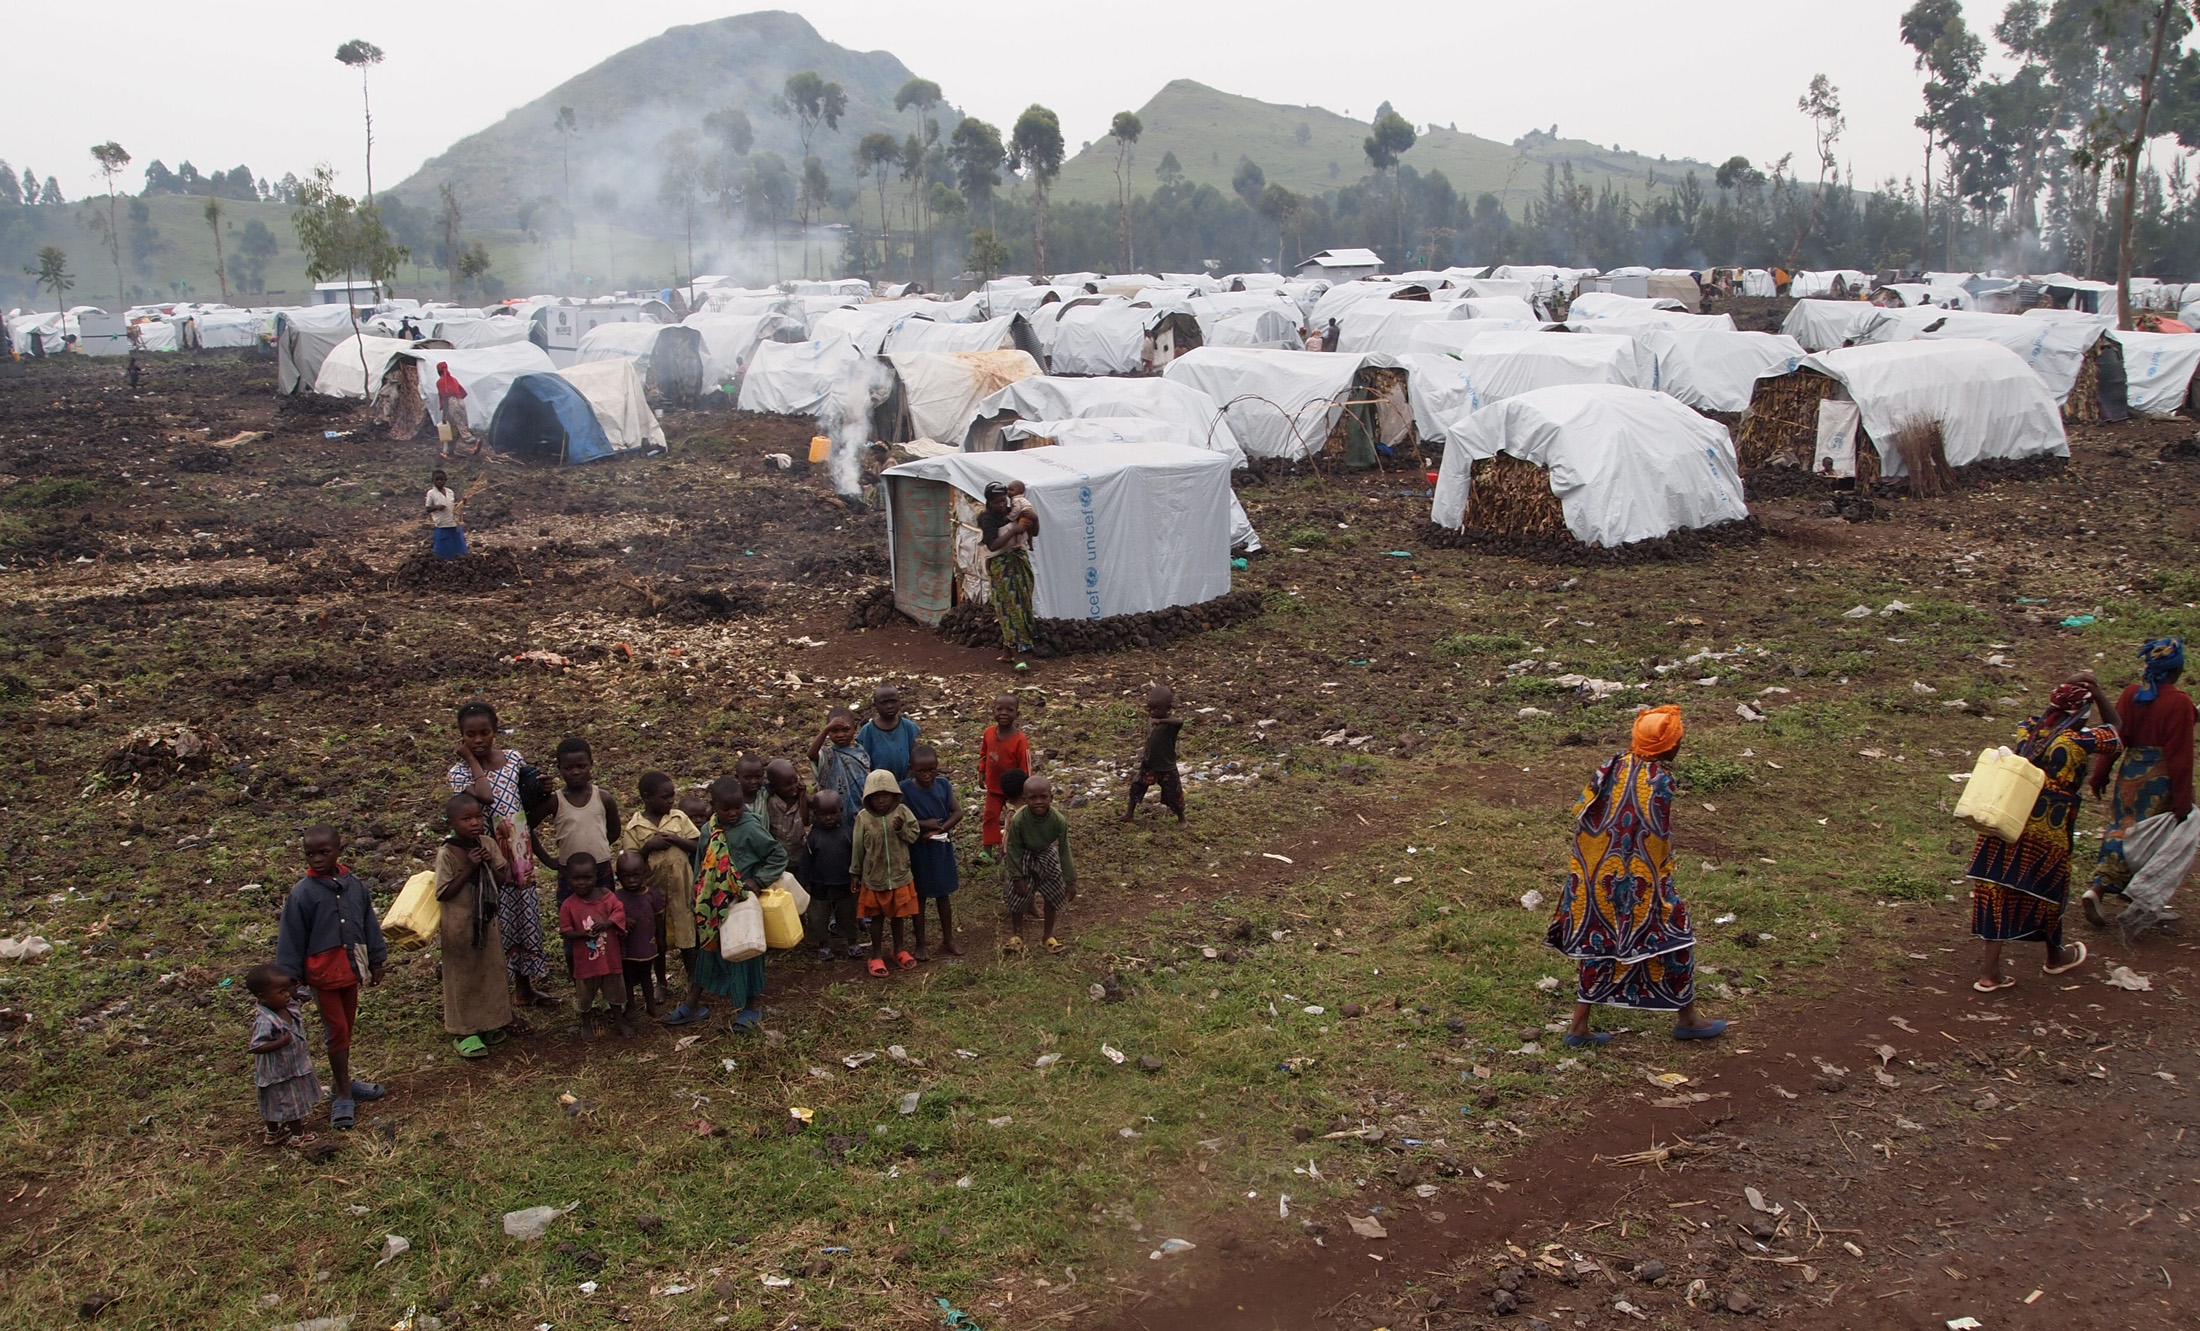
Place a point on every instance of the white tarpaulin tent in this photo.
(475, 332)
(1502, 365)
(1448, 337)
(1612, 305)
(2158, 369)
(864, 326)
(792, 378)
(1439, 389)
(1343, 296)
(486, 373)
(1806, 285)
(1055, 398)
(343, 373)
(730, 339)
(1281, 403)
(1717, 371)
(1385, 325)
(1986, 400)
(614, 390)
(1098, 339)
(927, 334)
(1277, 328)
(232, 328)
(1626, 464)
(1822, 325)
(1123, 528)
(1095, 430)
(939, 389)
(1642, 321)
(2055, 350)
(303, 339)
(626, 341)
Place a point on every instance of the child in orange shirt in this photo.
(1004, 747)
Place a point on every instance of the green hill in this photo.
(631, 101)
(1310, 149)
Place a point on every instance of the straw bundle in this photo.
(1782, 420)
(1509, 497)
(1923, 453)
(2084, 402)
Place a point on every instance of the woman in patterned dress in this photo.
(2019, 889)
(1619, 918)
(491, 773)
(2154, 775)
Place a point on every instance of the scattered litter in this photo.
(686, 1041)
(1757, 1201)
(953, 1318)
(1283, 1206)
(1908, 1125)
(966, 1182)
(822, 1074)
(854, 1061)
(1854, 1251)
(1860, 612)
(1271, 855)
(1727, 918)
(1964, 1324)
(1747, 713)
(530, 1223)
(1531, 900)
(589, 1287)
(1314, 1009)
(1785, 1094)
(1111, 1053)
(1424, 1191)
(903, 1057)
(1169, 1247)
(1368, 1227)
(908, 1103)
(1001, 1122)
(801, 1115)
(777, 1282)
(1893, 608)
(1046, 1060)
(394, 1246)
(2123, 977)
(2074, 622)
(966, 1053)
(1547, 985)
(30, 947)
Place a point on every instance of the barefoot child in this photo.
(1003, 748)
(669, 843)
(885, 889)
(587, 818)
(592, 921)
(824, 868)
(889, 738)
(330, 938)
(739, 857)
(469, 870)
(643, 944)
(931, 797)
(282, 1065)
(1040, 871)
(1157, 763)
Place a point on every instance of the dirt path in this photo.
(2031, 1141)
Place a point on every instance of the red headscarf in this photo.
(1657, 731)
(445, 384)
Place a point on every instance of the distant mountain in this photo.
(1309, 150)
(630, 102)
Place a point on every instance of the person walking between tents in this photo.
(1008, 525)
(452, 395)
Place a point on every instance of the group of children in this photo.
(871, 844)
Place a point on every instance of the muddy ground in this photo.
(275, 596)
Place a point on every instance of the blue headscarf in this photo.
(2161, 658)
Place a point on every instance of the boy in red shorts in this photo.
(330, 939)
(1004, 747)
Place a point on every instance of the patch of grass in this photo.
(1709, 774)
(49, 492)
(1307, 538)
(1473, 644)
(1898, 884)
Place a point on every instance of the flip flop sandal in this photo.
(2068, 966)
(1590, 1040)
(1056, 946)
(684, 1015)
(1015, 943)
(1710, 1030)
(342, 1113)
(747, 1019)
(877, 968)
(366, 1090)
(271, 1138)
(300, 1139)
(1985, 988)
(473, 1046)
(518, 1027)
(905, 961)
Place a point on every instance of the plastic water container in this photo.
(1999, 797)
(821, 448)
(782, 922)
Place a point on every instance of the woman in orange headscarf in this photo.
(1619, 918)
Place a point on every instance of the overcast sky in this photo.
(255, 81)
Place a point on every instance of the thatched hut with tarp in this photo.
(1600, 464)
(2067, 354)
(1979, 401)
(1295, 405)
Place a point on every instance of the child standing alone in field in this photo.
(282, 1065)
(330, 938)
(931, 797)
(1157, 762)
(1003, 748)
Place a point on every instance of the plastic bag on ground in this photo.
(532, 1222)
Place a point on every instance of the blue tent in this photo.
(543, 418)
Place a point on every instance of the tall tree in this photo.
(2130, 152)
(450, 218)
(811, 102)
(1281, 206)
(605, 202)
(1392, 137)
(975, 149)
(919, 95)
(53, 274)
(342, 238)
(1124, 129)
(816, 193)
(1951, 55)
(875, 156)
(1035, 147)
(567, 123)
(112, 157)
(1248, 181)
(254, 248)
(213, 215)
(679, 177)
(1822, 103)
(363, 56)
(770, 190)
